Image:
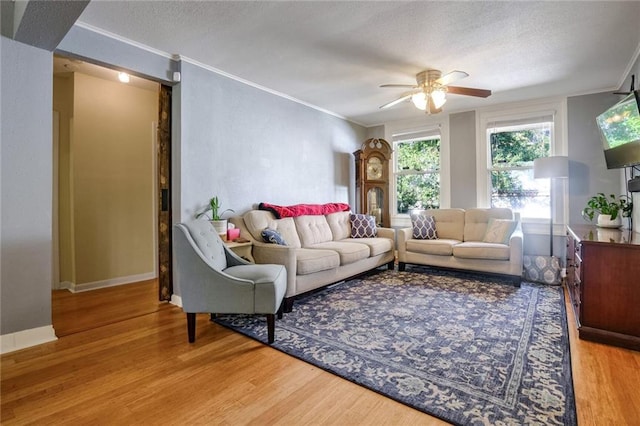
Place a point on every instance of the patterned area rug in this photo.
(466, 348)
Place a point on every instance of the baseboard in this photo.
(176, 300)
(26, 338)
(77, 288)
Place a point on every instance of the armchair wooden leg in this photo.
(271, 327)
(402, 266)
(280, 310)
(191, 326)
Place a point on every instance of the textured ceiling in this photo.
(335, 55)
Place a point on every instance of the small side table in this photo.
(241, 249)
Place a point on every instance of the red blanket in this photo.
(303, 209)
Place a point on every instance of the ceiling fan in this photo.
(429, 94)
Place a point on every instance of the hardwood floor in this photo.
(141, 370)
(75, 312)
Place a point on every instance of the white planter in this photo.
(221, 227)
(604, 221)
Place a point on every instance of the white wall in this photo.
(26, 182)
(248, 146)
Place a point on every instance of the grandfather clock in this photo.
(372, 180)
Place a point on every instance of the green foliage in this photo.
(511, 150)
(518, 148)
(418, 182)
(611, 205)
(214, 208)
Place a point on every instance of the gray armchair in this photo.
(213, 279)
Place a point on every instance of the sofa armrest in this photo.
(516, 249)
(280, 255)
(404, 235)
(389, 233)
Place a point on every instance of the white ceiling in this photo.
(335, 55)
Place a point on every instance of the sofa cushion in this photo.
(376, 245)
(480, 250)
(363, 226)
(340, 225)
(476, 220)
(309, 261)
(424, 227)
(449, 222)
(349, 252)
(272, 236)
(313, 230)
(441, 247)
(257, 220)
(499, 231)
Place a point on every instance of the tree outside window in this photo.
(417, 174)
(512, 153)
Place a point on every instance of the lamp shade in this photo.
(551, 167)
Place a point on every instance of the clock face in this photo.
(374, 169)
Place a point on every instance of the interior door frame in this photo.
(165, 270)
(163, 191)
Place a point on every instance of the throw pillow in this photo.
(499, 231)
(424, 227)
(363, 226)
(272, 236)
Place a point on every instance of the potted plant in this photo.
(219, 224)
(609, 209)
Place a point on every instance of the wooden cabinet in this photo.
(603, 279)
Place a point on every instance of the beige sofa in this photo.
(460, 245)
(319, 249)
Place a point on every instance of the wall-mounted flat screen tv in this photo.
(620, 130)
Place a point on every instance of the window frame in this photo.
(405, 129)
(557, 108)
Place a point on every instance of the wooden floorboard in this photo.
(75, 312)
(141, 370)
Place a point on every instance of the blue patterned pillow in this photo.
(272, 236)
(424, 227)
(363, 226)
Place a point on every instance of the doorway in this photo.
(109, 208)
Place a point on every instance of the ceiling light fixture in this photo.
(123, 77)
(437, 95)
(420, 100)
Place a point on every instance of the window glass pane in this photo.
(519, 191)
(418, 191)
(419, 155)
(518, 148)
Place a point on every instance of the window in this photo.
(417, 170)
(513, 146)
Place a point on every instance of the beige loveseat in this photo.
(459, 243)
(319, 248)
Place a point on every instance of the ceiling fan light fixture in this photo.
(439, 98)
(420, 100)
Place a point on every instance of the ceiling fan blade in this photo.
(403, 97)
(468, 91)
(411, 86)
(450, 77)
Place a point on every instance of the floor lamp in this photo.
(551, 168)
